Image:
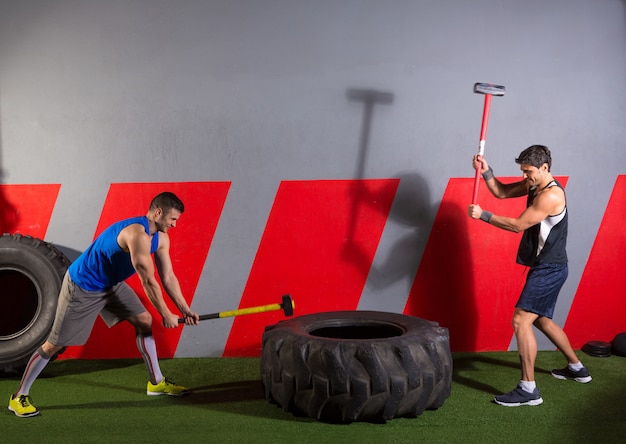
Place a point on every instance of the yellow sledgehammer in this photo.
(287, 306)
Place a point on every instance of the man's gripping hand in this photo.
(170, 320)
(191, 317)
(474, 211)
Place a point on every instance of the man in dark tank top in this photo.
(543, 249)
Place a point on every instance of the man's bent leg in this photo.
(526, 342)
(558, 337)
(146, 345)
(526, 393)
(158, 385)
(575, 369)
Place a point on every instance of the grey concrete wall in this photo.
(255, 92)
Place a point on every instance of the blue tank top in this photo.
(104, 264)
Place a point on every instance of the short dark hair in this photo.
(167, 201)
(535, 155)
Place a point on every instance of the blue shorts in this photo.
(542, 287)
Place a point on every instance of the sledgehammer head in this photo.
(288, 305)
(489, 88)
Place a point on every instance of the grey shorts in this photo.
(78, 309)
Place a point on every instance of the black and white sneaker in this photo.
(581, 375)
(518, 397)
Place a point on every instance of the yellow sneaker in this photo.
(166, 387)
(22, 407)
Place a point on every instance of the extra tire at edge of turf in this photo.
(27, 261)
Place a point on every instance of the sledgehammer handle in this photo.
(476, 182)
(481, 145)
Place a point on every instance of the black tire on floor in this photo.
(31, 273)
(347, 366)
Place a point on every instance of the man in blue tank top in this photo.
(542, 248)
(94, 285)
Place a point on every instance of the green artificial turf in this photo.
(104, 401)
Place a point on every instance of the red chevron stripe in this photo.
(26, 209)
(318, 246)
(599, 310)
(190, 244)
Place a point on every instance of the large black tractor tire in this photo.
(31, 273)
(346, 366)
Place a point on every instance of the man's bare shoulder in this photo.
(552, 199)
(134, 234)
